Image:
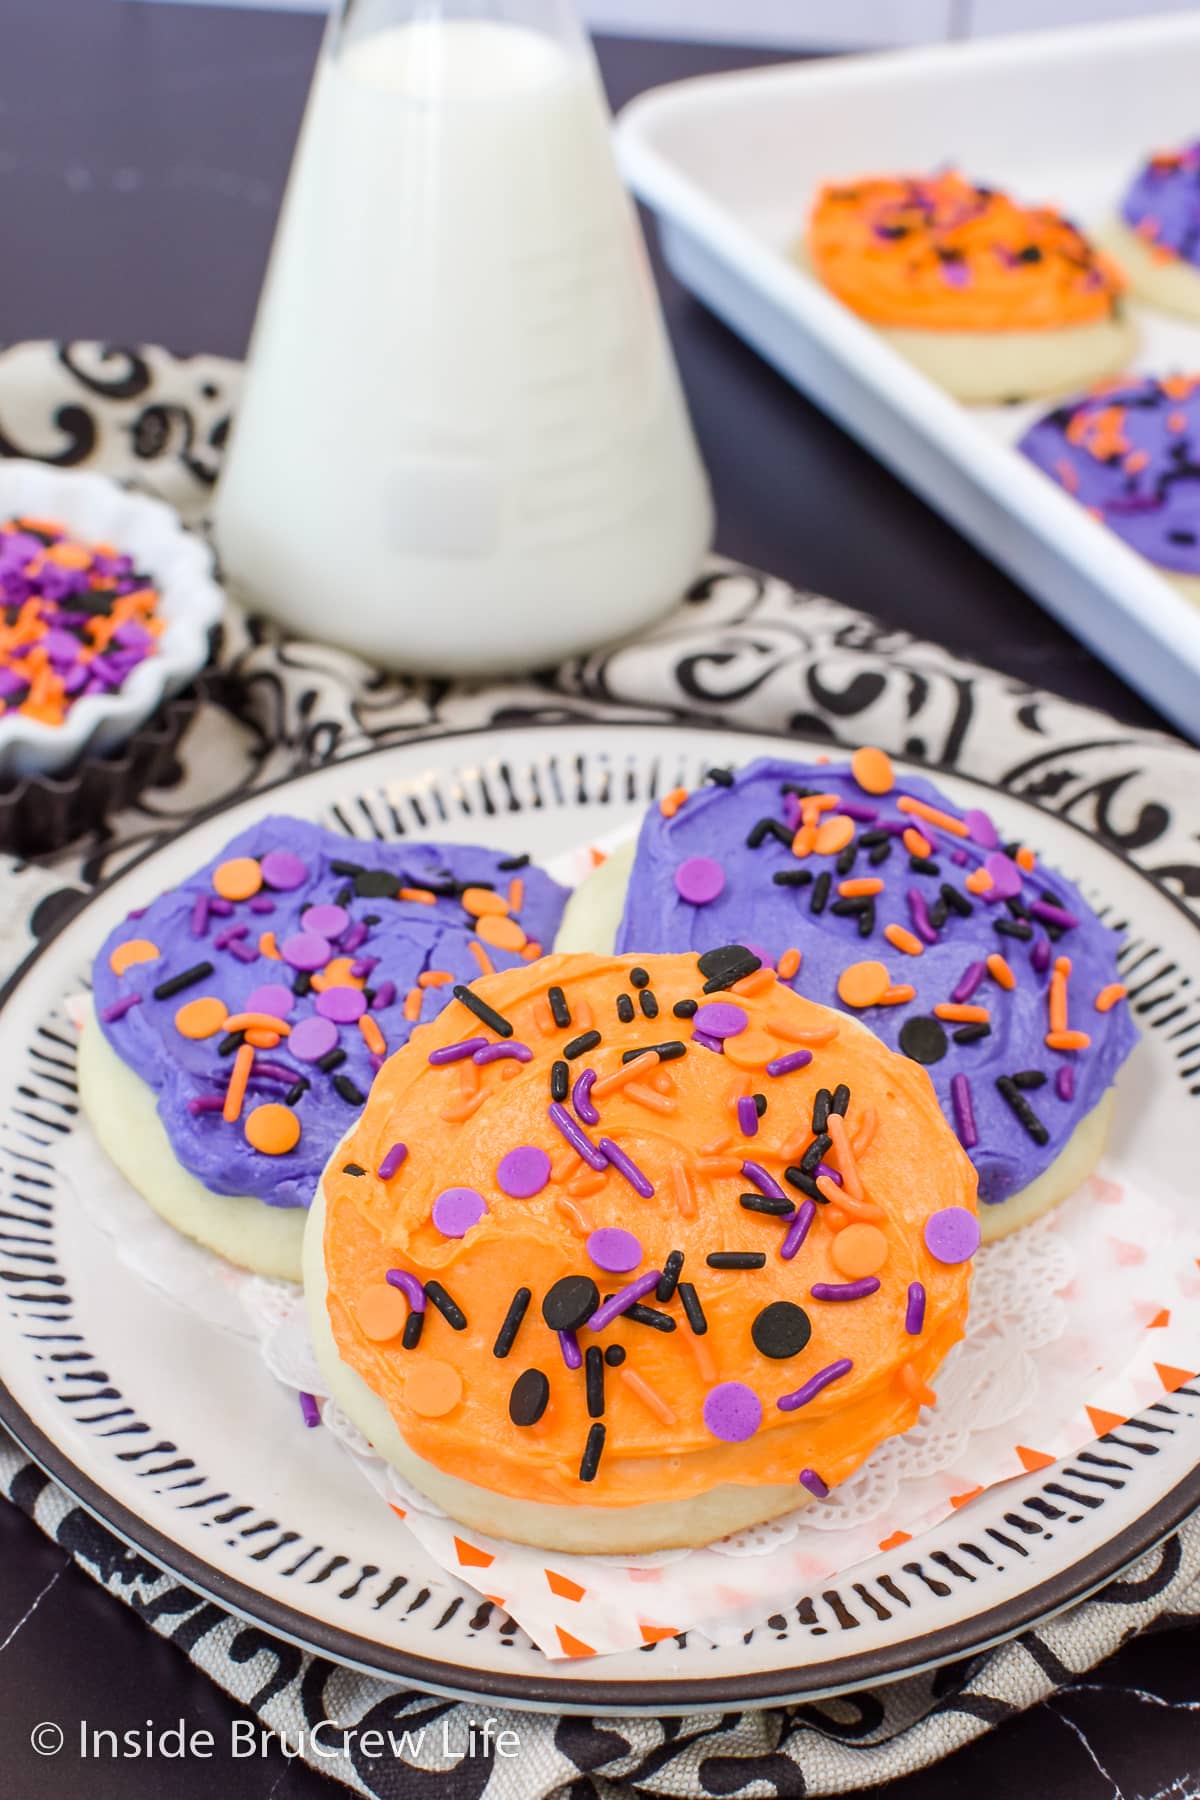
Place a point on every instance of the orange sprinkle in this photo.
(263, 1040)
(703, 1355)
(619, 1078)
(543, 1018)
(685, 1202)
(255, 1021)
(898, 996)
(914, 1387)
(793, 1034)
(832, 1215)
(432, 1388)
(459, 1111)
(235, 1093)
(486, 965)
(516, 894)
(1108, 996)
(788, 965)
(963, 1015)
(1058, 994)
(585, 1182)
(133, 950)
(804, 840)
(238, 879)
(873, 771)
(978, 882)
(1067, 1040)
(201, 1018)
(846, 1203)
(273, 1129)
(268, 947)
(381, 1312)
(670, 803)
(863, 983)
(1025, 859)
(834, 835)
(501, 932)
(337, 974)
(1000, 971)
(755, 983)
(373, 1038)
(583, 1015)
(915, 842)
(847, 1167)
(480, 902)
(662, 1081)
(860, 885)
(859, 1250)
(532, 951)
(568, 1164)
(903, 939)
(575, 1214)
(412, 1004)
(646, 1394)
(434, 978)
(932, 815)
(468, 1076)
(646, 1096)
(868, 1124)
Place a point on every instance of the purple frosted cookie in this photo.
(1162, 203)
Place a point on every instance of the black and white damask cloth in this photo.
(741, 649)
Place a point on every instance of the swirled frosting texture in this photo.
(1162, 204)
(938, 253)
(347, 945)
(681, 1412)
(941, 956)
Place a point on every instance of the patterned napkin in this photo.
(741, 649)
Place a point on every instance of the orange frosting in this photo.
(937, 253)
(679, 1123)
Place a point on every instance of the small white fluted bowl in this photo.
(97, 510)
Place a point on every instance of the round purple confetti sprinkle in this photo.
(798, 1230)
(845, 1290)
(914, 1312)
(523, 1172)
(325, 921)
(613, 1249)
(456, 1209)
(274, 999)
(787, 1065)
(808, 1478)
(720, 1019)
(952, 1235)
(699, 880)
(305, 950)
(812, 1387)
(981, 829)
(409, 1286)
(747, 1114)
(392, 1161)
(732, 1411)
(1006, 877)
(283, 870)
(342, 1004)
(312, 1039)
(580, 1098)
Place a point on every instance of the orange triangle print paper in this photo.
(1173, 1378)
(654, 1634)
(563, 1586)
(1032, 1459)
(573, 1646)
(472, 1558)
(1104, 1421)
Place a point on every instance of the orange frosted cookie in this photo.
(992, 298)
(675, 1244)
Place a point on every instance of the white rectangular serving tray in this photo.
(730, 164)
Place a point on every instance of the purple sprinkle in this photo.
(699, 880)
(618, 1303)
(747, 1114)
(119, 1008)
(306, 950)
(391, 1162)
(969, 980)
(362, 968)
(812, 1387)
(523, 1172)
(920, 917)
(451, 1053)
(456, 1210)
(964, 1111)
(325, 921)
(951, 1234)
(375, 1062)
(283, 870)
(786, 1065)
(614, 1250)
(409, 1286)
(791, 811)
(312, 1039)
(829, 1173)
(230, 936)
(808, 1478)
(580, 1098)
(262, 903)
(732, 1411)
(720, 1019)
(981, 829)
(1053, 915)
(272, 1071)
(385, 993)
(625, 1165)
(1064, 1082)
(206, 1103)
(572, 1355)
(357, 934)
(498, 1052)
(855, 809)
(310, 1411)
(798, 1229)
(914, 1312)
(1039, 956)
(708, 1043)
(271, 998)
(1006, 877)
(218, 904)
(578, 1139)
(200, 916)
(845, 1290)
(959, 857)
(245, 953)
(765, 1183)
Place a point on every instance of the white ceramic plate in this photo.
(731, 162)
(171, 1432)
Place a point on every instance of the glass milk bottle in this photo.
(462, 446)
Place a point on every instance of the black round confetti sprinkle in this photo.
(639, 977)
(376, 884)
(614, 1356)
(760, 1103)
(529, 1397)
(781, 1330)
(923, 1039)
(570, 1303)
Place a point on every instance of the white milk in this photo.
(463, 445)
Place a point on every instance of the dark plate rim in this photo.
(948, 1643)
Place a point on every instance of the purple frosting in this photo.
(1130, 453)
(753, 908)
(1162, 203)
(405, 939)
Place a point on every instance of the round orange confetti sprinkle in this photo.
(501, 933)
(201, 1018)
(238, 879)
(872, 769)
(748, 1050)
(479, 902)
(381, 1312)
(833, 835)
(134, 950)
(862, 984)
(433, 1388)
(859, 1250)
(273, 1129)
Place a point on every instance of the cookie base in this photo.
(1172, 284)
(122, 1111)
(989, 367)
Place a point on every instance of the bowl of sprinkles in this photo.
(106, 610)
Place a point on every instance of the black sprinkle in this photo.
(668, 1052)
(639, 977)
(971, 1034)
(625, 1009)
(1014, 928)
(376, 884)
(725, 966)
(371, 918)
(560, 1080)
(736, 1259)
(841, 1099)
(722, 777)
(1011, 1092)
(511, 1322)
(347, 1091)
(353, 1169)
(649, 1315)
(512, 862)
(593, 1368)
(302, 984)
(815, 1153)
(685, 1009)
(871, 840)
(820, 893)
(781, 1330)
(559, 1009)
(580, 1046)
(760, 1104)
(846, 859)
(450, 1310)
(483, 1011)
(765, 828)
(346, 868)
(649, 1003)
(668, 1280)
(229, 1044)
(880, 854)
(297, 1090)
(592, 1452)
(866, 919)
(850, 909)
(570, 1303)
(956, 900)
(762, 1203)
(938, 913)
(529, 1397)
(693, 1312)
(1029, 1078)
(796, 878)
(923, 1039)
(614, 1356)
(822, 1107)
(798, 1179)
(344, 895)
(414, 1325)
(332, 1059)
(166, 990)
